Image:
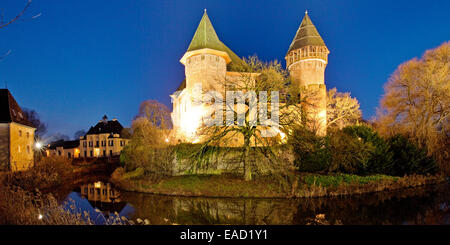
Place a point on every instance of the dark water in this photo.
(427, 205)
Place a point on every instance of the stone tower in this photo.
(306, 61)
(206, 58)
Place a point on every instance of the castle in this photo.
(209, 61)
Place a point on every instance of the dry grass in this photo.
(19, 207)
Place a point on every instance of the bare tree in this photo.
(258, 77)
(342, 109)
(158, 114)
(79, 133)
(4, 24)
(417, 103)
(34, 118)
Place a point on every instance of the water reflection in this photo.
(428, 205)
(100, 200)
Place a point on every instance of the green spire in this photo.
(205, 36)
(306, 35)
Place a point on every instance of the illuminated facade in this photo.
(106, 139)
(209, 62)
(16, 135)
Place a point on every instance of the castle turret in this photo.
(306, 61)
(206, 58)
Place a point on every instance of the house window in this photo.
(90, 143)
(104, 153)
(28, 149)
(92, 154)
(69, 155)
(20, 133)
(28, 135)
(85, 153)
(59, 153)
(96, 143)
(110, 152)
(84, 143)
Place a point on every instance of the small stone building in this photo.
(16, 135)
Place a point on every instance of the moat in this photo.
(426, 205)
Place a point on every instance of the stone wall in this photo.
(230, 160)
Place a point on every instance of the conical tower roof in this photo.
(205, 37)
(306, 35)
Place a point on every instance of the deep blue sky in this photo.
(82, 59)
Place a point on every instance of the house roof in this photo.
(307, 35)
(70, 144)
(107, 127)
(206, 37)
(10, 110)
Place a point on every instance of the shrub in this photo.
(47, 173)
(408, 158)
(381, 157)
(349, 154)
(311, 152)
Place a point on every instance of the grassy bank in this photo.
(311, 185)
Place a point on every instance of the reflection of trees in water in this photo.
(185, 210)
(415, 206)
(234, 211)
(157, 209)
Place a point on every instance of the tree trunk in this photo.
(247, 163)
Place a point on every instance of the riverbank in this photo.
(303, 185)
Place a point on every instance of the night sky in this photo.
(79, 60)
